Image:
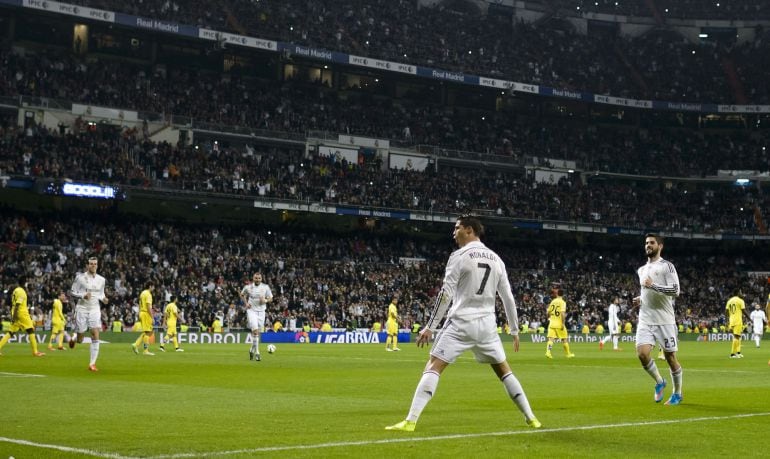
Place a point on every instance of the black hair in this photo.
(473, 222)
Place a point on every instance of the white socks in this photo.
(422, 395)
(676, 377)
(516, 392)
(94, 352)
(652, 370)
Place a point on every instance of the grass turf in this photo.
(313, 400)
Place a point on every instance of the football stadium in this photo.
(407, 228)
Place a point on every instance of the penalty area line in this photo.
(410, 439)
(64, 449)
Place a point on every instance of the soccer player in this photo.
(557, 312)
(391, 326)
(170, 316)
(758, 320)
(613, 325)
(659, 287)
(20, 318)
(736, 308)
(474, 274)
(145, 320)
(58, 322)
(256, 296)
(88, 288)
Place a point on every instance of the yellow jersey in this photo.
(556, 311)
(19, 304)
(392, 312)
(145, 302)
(734, 308)
(171, 313)
(57, 314)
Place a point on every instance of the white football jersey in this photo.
(613, 322)
(657, 302)
(758, 319)
(253, 293)
(474, 276)
(87, 283)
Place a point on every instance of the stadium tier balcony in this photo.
(290, 109)
(550, 53)
(287, 174)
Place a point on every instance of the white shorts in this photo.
(665, 335)
(612, 328)
(256, 319)
(86, 320)
(478, 336)
(759, 330)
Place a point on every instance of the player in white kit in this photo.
(657, 322)
(613, 325)
(88, 288)
(256, 296)
(758, 321)
(474, 276)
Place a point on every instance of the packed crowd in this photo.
(298, 107)
(714, 9)
(348, 281)
(667, 9)
(289, 174)
(345, 280)
(551, 53)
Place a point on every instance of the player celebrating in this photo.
(88, 288)
(58, 322)
(170, 316)
(557, 313)
(758, 320)
(659, 286)
(20, 318)
(736, 308)
(391, 326)
(256, 296)
(613, 325)
(474, 276)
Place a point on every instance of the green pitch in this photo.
(311, 400)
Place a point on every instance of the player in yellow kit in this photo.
(145, 319)
(557, 311)
(736, 309)
(58, 322)
(391, 327)
(170, 316)
(20, 319)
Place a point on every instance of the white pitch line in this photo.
(19, 375)
(637, 367)
(409, 439)
(66, 449)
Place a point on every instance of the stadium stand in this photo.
(455, 37)
(320, 276)
(636, 170)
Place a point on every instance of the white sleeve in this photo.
(509, 303)
(444, 297)
(671, 288)
(102, 295)
(77, 289)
